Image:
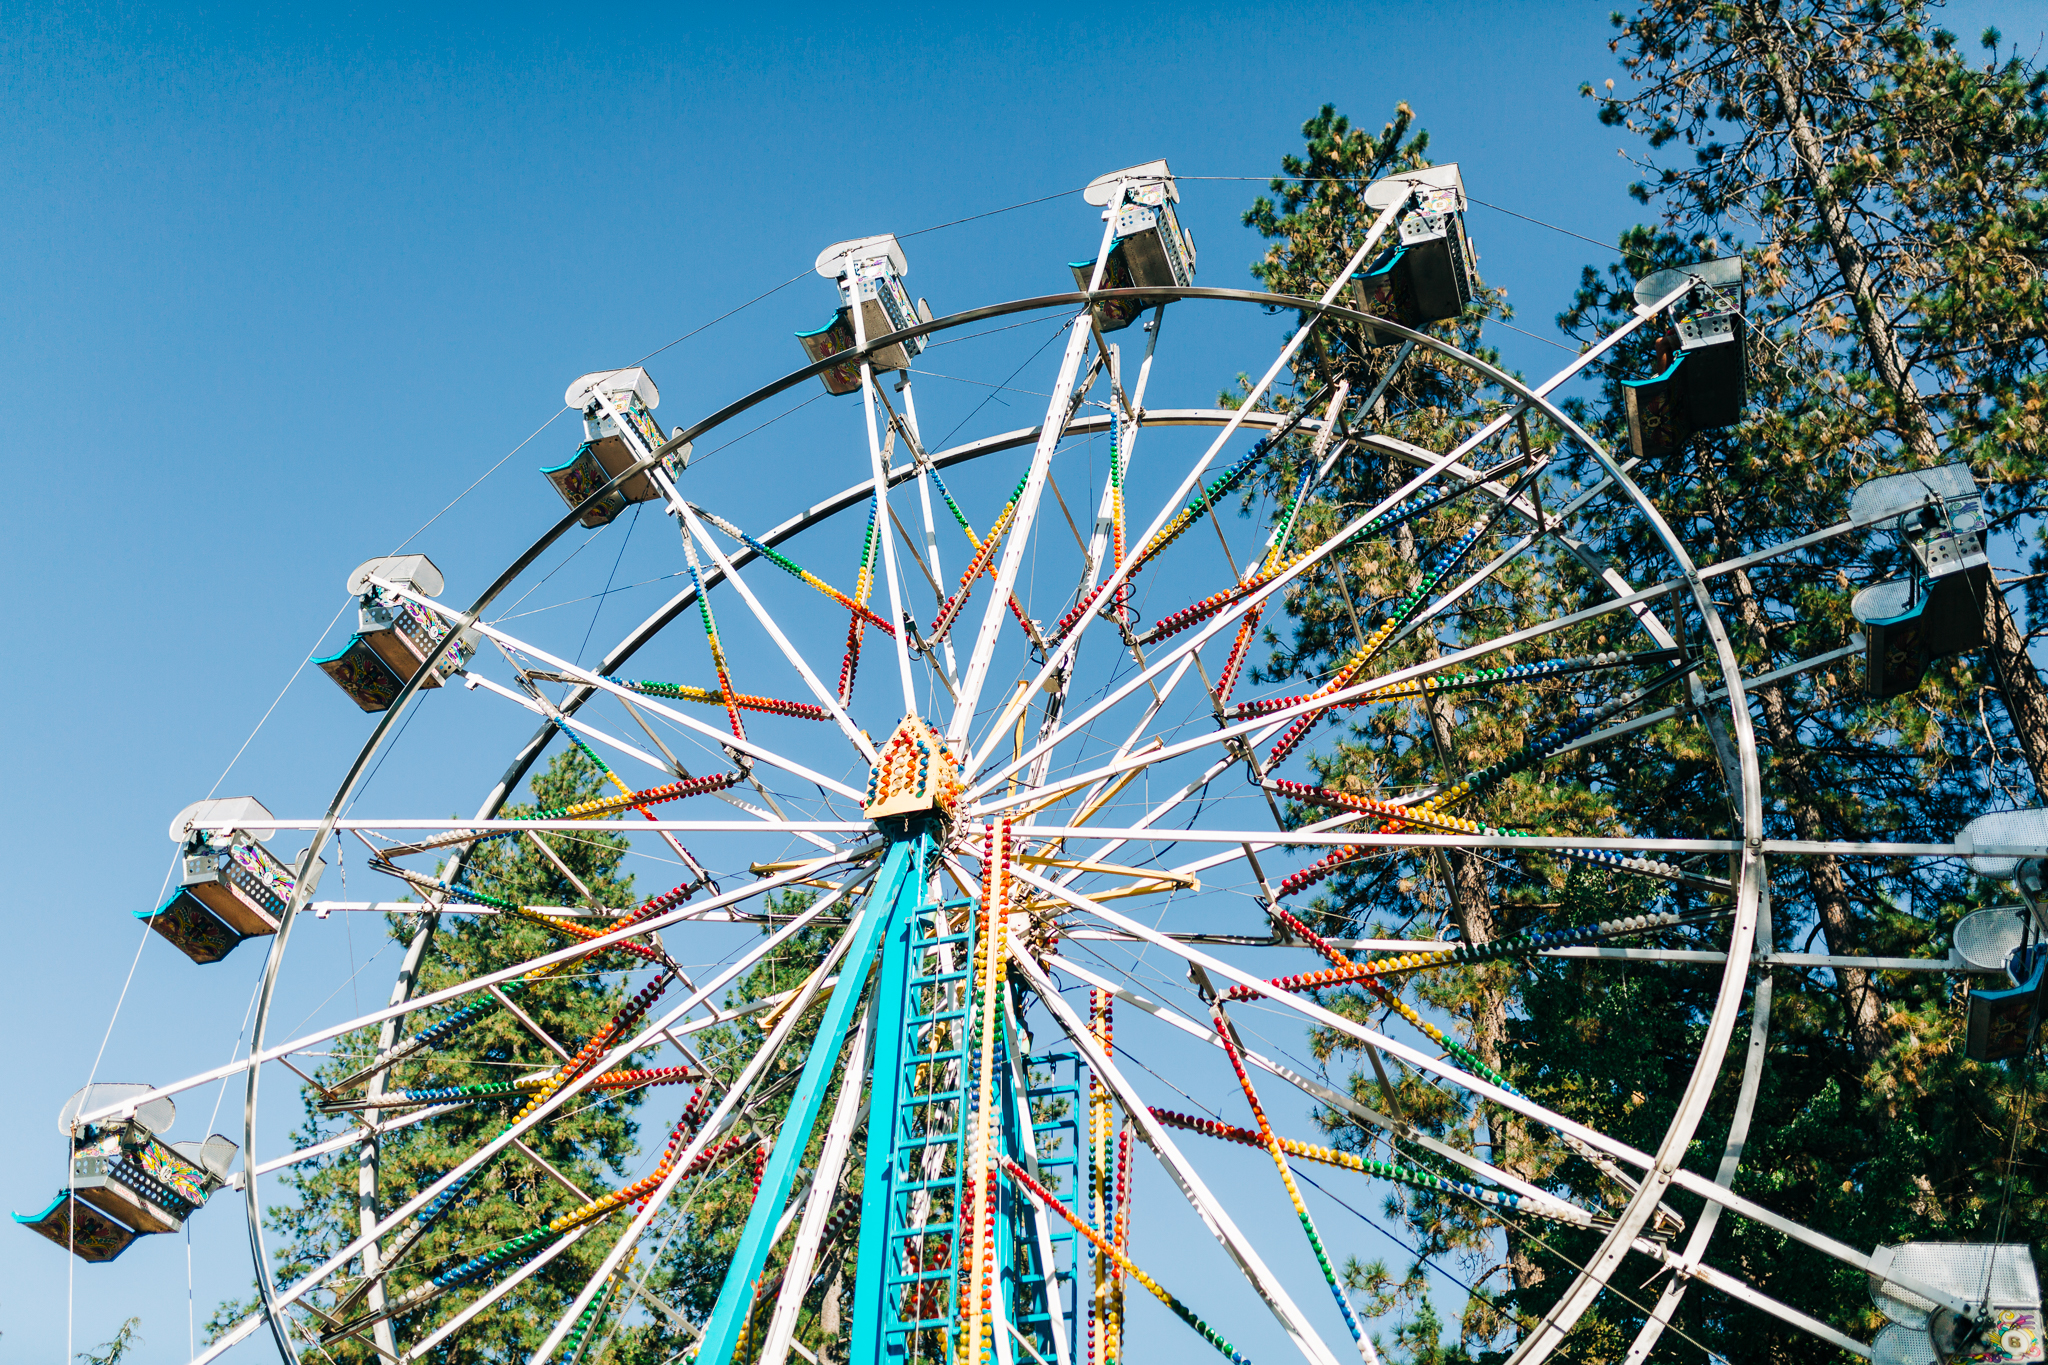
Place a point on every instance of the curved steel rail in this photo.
(1750, 874)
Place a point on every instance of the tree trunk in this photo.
(1472, 913)
(1861, 1003)
(2019, 682)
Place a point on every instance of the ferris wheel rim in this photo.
(653, 626)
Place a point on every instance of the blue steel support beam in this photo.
(869, 1287)
(900, 885)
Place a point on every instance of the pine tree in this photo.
(1895, 191)
(591, 1144)
(1870, 1126)
(1429, 404)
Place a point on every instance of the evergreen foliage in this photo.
(594, 1144)
(1870, 1125)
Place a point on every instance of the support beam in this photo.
(1191, 1185)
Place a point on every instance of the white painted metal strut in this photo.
(1017, 539)
(694, 530)
(1555, 1207)
(796, 1274)
(1425, 1061)
(589, 679)
(280, 1299)
(743, 1083)
(879, 458)
(1191, 1184)
(1188, 482)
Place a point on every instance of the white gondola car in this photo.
(619, 431)
(125, 1181)
(1151, 249)
(1937, 610)
(1702, 378)
(869, 272)
(1430, 275)
(230, 887)
(394, 636)
(1999, 1283)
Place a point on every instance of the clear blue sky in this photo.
(280, 283)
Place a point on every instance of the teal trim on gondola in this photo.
(1385, 264)
(1670, 372)
(582, 474)
(193, 928)
(2003, 1024)
(833, 338)
(362, 673)
(80, 1228)
(837, 318)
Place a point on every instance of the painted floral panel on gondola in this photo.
(183, 1178)
(80, 1228)
(269, 874)
(829, 340)
(363, 675)
(1112, 315)
(1899, 656)
(192, 928)
(581, 476)
(1657, 422)
(1384, 291)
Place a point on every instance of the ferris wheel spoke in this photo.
(694, 528)
(1214, 626)
(1414, 1057)
(1122, 574)
(535, 1114)
(1058, 412)
(1105, 541)
(462, 1318)
(1191, 1185)
(128, 1105)
(587, 678)
(862, 932)
(1553, 1207)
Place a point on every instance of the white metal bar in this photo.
(1737, 1289)
(1191, 1184)
(878, 455)
(1173, 504)
(352, 1137)
(1335, 1098)
(1643, 722)
(1421, 1060)
(1017, 539)
(740, 1086)
(128, 1107)
(585, 677)
(796, 1276)
(497, 1291)
(826, 697)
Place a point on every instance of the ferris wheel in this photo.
(1005, 785)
